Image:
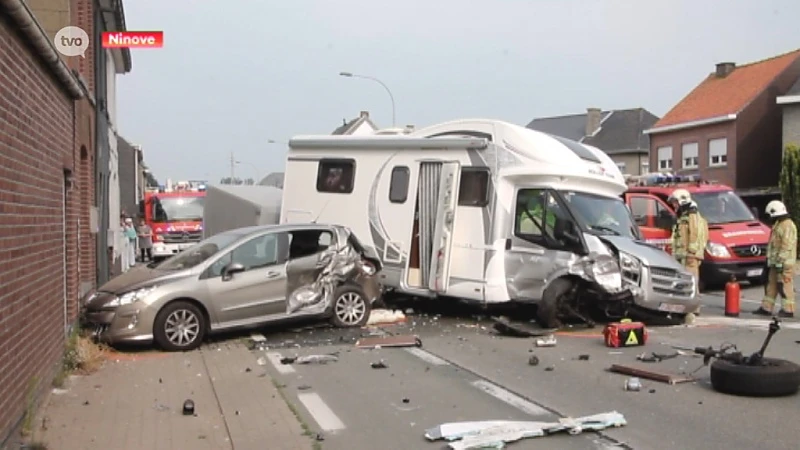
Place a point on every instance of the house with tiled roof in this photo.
(790, 108)
(729, 127)
(619, 133)
(361, 125)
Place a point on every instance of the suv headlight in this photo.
(629, 263)
(606, 273)
(717, 250)
(131, 297)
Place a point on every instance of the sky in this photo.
(236, 74)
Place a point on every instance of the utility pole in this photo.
(233, 167)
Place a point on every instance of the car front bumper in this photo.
(666, 291)
(162, 250)
(717, 273)
(123, 325)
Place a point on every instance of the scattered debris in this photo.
(385, 317)
(497, 433)
(405, 400)
(317, 359)
(652, 391)
(58, 391)
(633, 384)
(320, 437)
(86, 403)
(261, 361)
(247, 370)
(379, 365)
(648, 375)
(549, 368)
(583, 357)
(549, 341)
(409, 311)
(287, 360)
(533, 360)
(303, 387)
(506, 327)
(160, 381)
(188, 408)
(656, 357)
(389, 341)
(161, 407)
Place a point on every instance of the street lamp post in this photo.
(388, 91)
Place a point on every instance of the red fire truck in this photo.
(737, 240)
(176, 218)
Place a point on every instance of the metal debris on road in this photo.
(379, 365)
(497, 433)
(583, 357)
(633, 384)
(389, 341)
(262, 361)
(316, 359)
(549, 341)
(656, 357)
(507, 327)
(303, 387)
(188, 408)
(533, 360)
(649, 375)
(549, 368)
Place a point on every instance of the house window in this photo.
(621, 166)
(664, 158)
(689, 154)
(717, 152)
(645, 167)
(398, 186)
(474, 187)
(336, 176)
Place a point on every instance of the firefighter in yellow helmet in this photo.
(690, 233)
(781, 257)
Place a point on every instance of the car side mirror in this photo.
(230, 270)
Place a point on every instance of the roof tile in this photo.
(715, 97)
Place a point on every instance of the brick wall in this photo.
(36, 148)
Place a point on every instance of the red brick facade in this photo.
(46, 138)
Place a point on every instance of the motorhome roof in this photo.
(385, 142)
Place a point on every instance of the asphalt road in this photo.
(465, 371)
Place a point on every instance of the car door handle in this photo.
(273, 274)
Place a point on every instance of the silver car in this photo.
(239, 278)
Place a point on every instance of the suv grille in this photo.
(746, 251)
(180, 237)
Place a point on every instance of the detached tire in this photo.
(547, 309)
(774, 378)
(350, 307)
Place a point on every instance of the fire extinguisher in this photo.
(732, 298)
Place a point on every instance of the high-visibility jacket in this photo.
(528, 226)
(690, 236)
(782, 247)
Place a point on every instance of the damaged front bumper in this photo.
(117, 326)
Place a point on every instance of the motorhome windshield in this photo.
(178, 209)
(199, 252)
(602, 215)
(722, 207)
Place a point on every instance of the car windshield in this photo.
(199, 252)
(178, 209)
(602, 215)
(722, 207)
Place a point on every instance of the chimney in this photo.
(364, 114)
(593, 116)
(409, 128)
(725, 68)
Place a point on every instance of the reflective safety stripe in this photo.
(659, 242)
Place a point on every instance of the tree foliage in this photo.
(790, 181)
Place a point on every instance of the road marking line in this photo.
(275, 359)
(510, 398)
(258, 337)
(428, 357)
(322, 414)
(742, 322)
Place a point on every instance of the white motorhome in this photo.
(487, 211)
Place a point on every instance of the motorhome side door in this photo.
(445, 219)
(653, 217)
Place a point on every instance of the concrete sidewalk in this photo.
(135, 402)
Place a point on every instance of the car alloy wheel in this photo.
(182, 327)
(350, 308)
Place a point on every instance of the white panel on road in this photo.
(258, 337)
(511, 398)
(322, 414)
(428, 357)
(275, 359)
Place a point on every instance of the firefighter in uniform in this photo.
(690, 233)
(781, 257)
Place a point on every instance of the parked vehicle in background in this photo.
(239, 278)
(176, 218)
(489, 212)
(737, 244)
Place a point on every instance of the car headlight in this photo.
(606, 273)
(131, 297)
(629, 262)
(717, 250)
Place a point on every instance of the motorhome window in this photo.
(336, 176)
(722, 207)
(474, 187)
(600, 214)
(536, 213)
(398, 185)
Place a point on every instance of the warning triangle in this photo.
(632, 340)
